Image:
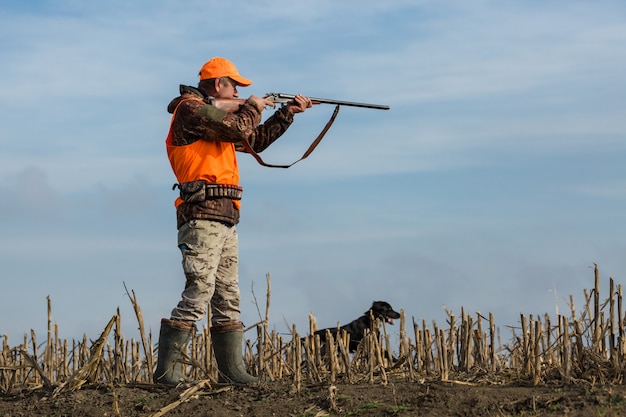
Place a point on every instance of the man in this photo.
(201, 147)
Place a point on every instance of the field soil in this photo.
(398, 398)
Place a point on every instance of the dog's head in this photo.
(383, 310)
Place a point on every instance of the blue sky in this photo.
(494, 183)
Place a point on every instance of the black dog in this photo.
(356, 328)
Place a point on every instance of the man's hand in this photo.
(261, 103)
(299, 104)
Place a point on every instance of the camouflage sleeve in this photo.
(265, 134)
(197, 120)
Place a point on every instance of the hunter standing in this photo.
(201, 147)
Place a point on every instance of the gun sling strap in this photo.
(308, 152)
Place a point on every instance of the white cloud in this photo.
(608, 189)
(28, 193)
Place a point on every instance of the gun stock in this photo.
(227, 104)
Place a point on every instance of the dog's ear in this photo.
(380, 305)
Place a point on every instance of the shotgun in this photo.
(232, 104)
(285, 98)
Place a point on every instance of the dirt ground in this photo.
(398, 398)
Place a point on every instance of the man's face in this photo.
(227, 88)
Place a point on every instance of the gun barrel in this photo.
(316, 100)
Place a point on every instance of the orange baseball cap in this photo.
(221, 67)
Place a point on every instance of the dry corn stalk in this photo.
(88, 372)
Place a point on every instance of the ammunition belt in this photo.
(233, 192)
(196, 191)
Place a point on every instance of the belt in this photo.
(196, 191)
(234, 192)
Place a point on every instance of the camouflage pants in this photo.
(210, 263)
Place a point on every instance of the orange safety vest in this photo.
(209, 160)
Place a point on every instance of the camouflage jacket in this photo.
(198, 120)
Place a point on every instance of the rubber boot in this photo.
(227, 339)
(173, 339)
